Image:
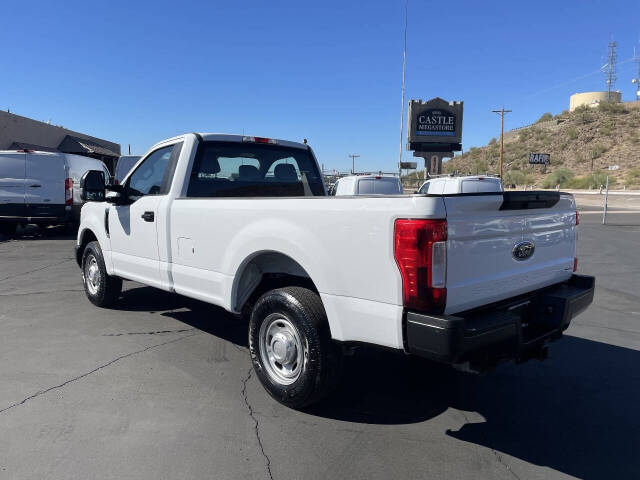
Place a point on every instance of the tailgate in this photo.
(504, 245)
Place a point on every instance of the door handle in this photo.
(35, 186)
(148, 216)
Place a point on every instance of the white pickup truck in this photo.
(245, 223)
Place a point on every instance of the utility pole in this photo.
(502, 111)
(353, 162)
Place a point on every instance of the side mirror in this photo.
(416, 191)
(92, 186)
(115, 188)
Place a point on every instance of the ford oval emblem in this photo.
(523, 250)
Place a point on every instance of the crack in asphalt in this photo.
(22, 294)
(36, 270)
(255, 421)
(79, 377)
(497, 456)
(148, 333)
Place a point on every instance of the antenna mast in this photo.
(610, 69)
(636, 57)
(404, 68)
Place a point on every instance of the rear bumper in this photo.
(515, 329)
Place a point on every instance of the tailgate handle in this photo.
(35, 185)
(148, 216)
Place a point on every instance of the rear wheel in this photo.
(101, 289)
(291, 348)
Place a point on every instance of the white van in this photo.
(41, 187)
(452, 185)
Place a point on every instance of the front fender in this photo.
(92, 221)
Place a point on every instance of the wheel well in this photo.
(87, 237)
(263, 272)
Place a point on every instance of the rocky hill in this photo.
(582, 144)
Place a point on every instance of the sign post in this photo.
(606, 198)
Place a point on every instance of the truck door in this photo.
(44, 185)
(12, 185)
(133, 227)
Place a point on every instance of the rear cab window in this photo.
(379, 186)
(485, 185)
(234, 169)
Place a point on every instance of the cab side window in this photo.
(424, 189)
(153, 176)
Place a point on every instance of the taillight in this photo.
(575, 264)
(420, 251)
(577, 218)
(68, 191)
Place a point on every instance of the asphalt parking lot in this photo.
(161, 388)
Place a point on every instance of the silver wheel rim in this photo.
(92, 275)
(281, 349)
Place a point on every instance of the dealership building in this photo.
(18, 133)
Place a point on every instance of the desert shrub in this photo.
(572, 133)
(597, 150)
(545, 117)
(612, 108)
(492, 141)
(479, 166)
(524, 134)
(561, 177)
(592, 180)
(633, 177)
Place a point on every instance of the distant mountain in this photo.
(582, 144)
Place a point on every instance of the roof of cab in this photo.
(228, 137)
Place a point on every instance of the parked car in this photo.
(367, 185)
(245, 223)
(471, 184)
(123, 166)
(41, 187)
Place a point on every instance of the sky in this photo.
(331, 71)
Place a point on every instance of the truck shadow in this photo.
(577, 413)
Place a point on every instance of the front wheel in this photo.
(291, 347)
(101, 289)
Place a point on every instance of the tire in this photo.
(101, 289)
(291, 347)
(8, 228)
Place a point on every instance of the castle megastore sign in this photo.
(436, 122)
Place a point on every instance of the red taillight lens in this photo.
(68, 191)
(421, 266)
(577, 218)
(575, 264)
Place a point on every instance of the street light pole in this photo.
(353, 161)
(502, 111)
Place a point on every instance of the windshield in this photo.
(379, 186)
(233, 169)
